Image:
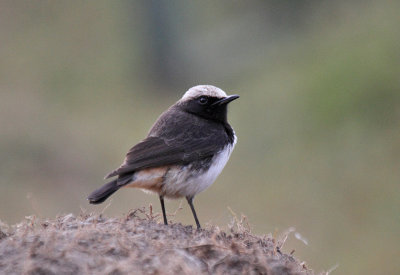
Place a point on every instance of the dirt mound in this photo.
(136, 244)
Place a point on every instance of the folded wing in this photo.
(155, 152)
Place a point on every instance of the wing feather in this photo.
(168, 144)
(154, 152)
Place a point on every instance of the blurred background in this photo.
(318, 121)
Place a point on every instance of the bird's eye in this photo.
(203, 100)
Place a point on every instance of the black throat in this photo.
(213, 114)
(229, 132)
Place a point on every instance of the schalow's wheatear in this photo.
(184, 152)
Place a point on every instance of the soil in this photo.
(137, 244)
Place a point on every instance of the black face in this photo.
(212, 108)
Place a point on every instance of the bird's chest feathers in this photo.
(195, 178)
(218, 163)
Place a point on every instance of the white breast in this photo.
(183, 183)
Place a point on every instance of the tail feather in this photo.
(101, 194)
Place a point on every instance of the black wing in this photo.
(174, 140)
(154, 152)
(151, 152)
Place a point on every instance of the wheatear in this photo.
(184, 152)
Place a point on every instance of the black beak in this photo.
(225, 100)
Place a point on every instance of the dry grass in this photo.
(137, 243)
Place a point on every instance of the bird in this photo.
(184, 152)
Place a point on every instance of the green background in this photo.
(318, 121)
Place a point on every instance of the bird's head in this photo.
(206, 101)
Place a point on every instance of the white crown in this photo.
(203, 90)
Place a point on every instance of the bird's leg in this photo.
(163, 210)
(190, 201)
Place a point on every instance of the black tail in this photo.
(101, 194)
